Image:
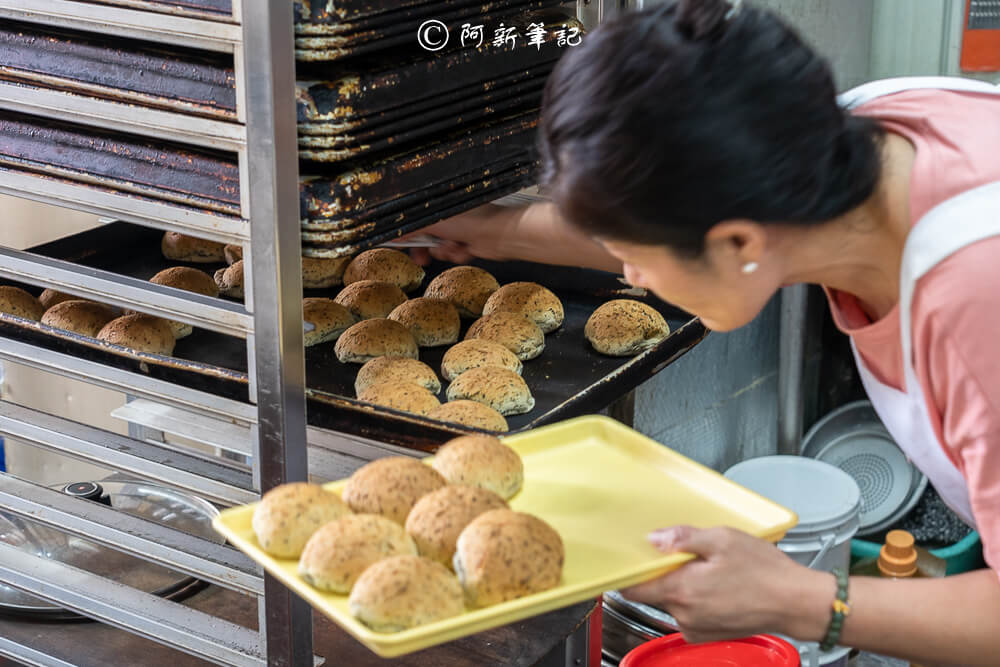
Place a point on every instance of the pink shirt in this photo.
(956, 305)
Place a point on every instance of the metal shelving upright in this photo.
(259, 36)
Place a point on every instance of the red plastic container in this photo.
(673, 651)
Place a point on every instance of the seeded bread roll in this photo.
(337, 553)
(502, 555)
(390, 487)
(375, 338)
(140, 332)
(190, 280)
(438, 518)
(288, 515)
(233, 253)
(531, 300)
(483, 461)
(230, 280)
(403, 592)
(183, 248)
(385, 265)
(623, 328)
(83, 317)
(403, 396)
(470, 413)
(15, 301)
(329, 317)
(370, 299)
(50, 297)
(512, 330)
(477, 353)
(467, 287)
(318, 273)
(396, 369)
(433, 322)
(503, 390)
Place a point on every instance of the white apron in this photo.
(960, 221)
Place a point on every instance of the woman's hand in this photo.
(480, 233)
(737, 586)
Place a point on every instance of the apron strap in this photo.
(867, 92)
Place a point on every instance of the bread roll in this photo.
(375, 338)
(502, 555)
(190, 280)
(477, 353)
(467, 287)
(531, 300)
(288, 515)
(329, 317)
(233, 253)
(369, 299)
(140, 332)
(230, 280)
(337, 553)
(512, 330)
(83, 317)
(15, 301)
(470, 413)
(396, 369)
(483, 461)
(623, 328)
(403, 592)
(433, 322)
(50, 297)
(385, 265)
(183, 248)
(438, 518)
(390, 487)
(402, 396)
(503, 390)
(319, 273)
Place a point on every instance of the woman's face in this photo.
(714, 286)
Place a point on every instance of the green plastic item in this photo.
(963, 556)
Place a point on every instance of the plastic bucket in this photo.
(673, 651)
(826, 499)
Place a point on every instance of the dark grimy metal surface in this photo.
(201, 179)
(343, 43)
(118, 69)
(567, 380)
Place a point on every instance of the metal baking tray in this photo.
(126, 163)
(220, 10)
(352, 242)
(567, 380)
(118, 69)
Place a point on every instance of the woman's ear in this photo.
(734, 244)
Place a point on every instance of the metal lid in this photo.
(822, 495)
(152, 502)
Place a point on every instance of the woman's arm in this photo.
(739, 585)
(535, 233)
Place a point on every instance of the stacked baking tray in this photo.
(388, 145)
(568, 380)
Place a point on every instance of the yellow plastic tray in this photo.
(600, 484)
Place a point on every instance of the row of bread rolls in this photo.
(411, 543)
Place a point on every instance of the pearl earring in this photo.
(750, 267)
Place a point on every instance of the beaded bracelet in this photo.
(841, 610)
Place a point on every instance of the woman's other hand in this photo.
(737, 586)
(478, 233)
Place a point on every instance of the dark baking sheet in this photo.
(211, 9)
(118, 69)
(123, 162)
(569, 379)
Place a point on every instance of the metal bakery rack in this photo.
(225, 116)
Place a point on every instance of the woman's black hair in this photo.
(667, 121)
